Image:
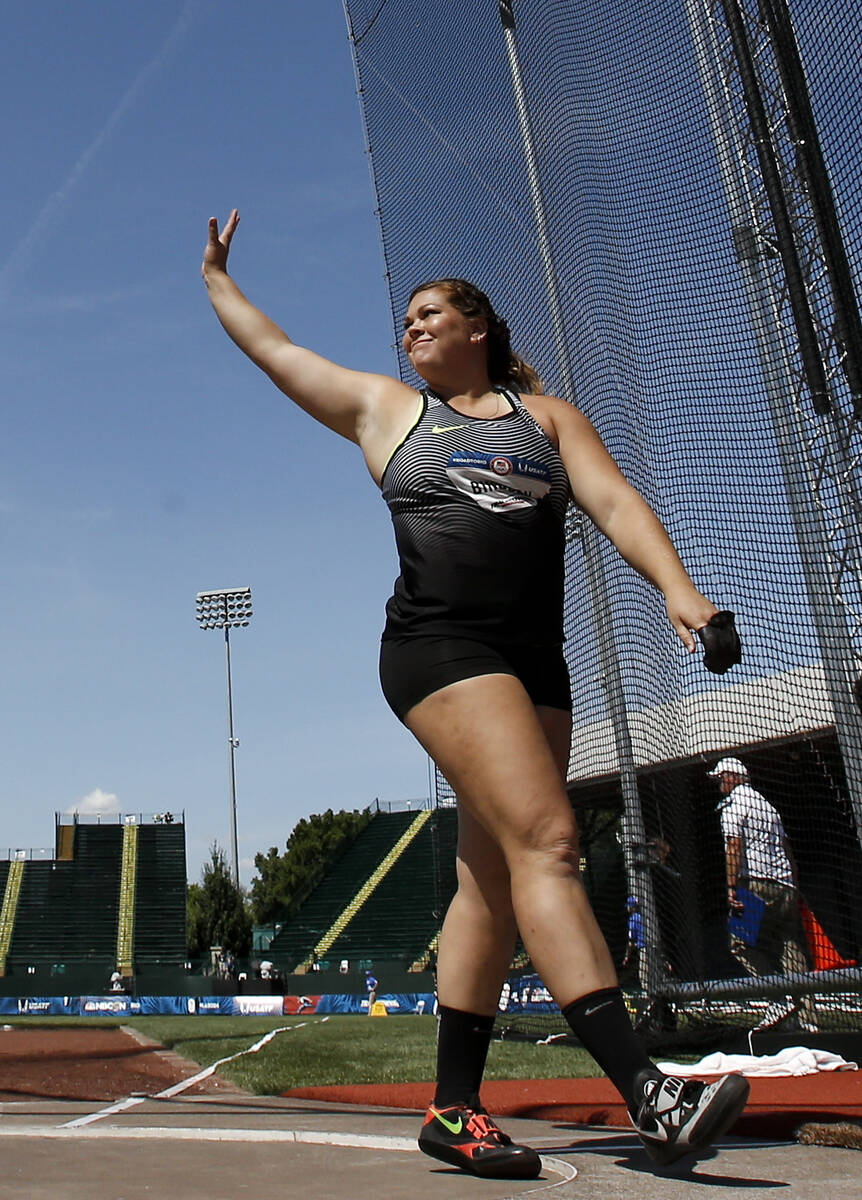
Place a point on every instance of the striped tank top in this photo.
(478, 506)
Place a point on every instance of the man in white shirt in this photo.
(758, 858)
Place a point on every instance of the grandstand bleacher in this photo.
(397, 922)
(67, 911)
(66, 917)
(160, 897)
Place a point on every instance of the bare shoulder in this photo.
(558, 417)
(389, 401)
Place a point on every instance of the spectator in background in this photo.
(634, 933)
(657, 1013)
(371, 988)
(761, 890)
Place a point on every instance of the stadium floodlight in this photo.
(227, 609)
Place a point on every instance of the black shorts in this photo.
(411, 668)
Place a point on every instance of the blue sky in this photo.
(144, 459)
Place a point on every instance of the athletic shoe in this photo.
(683, 1116)
(777, 1012)
(468, 1138)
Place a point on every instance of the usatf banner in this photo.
(225, 1006)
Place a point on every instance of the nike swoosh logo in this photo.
(659, 1134)
(452, 1126)
(444, 428)
(588, 1012)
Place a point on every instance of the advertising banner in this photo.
(395, 1003)
(40, 1006)
(167, 1006)
(213, 1006)
(526, 994)
(293, 1006)
(110, 1006)
(256, 1006)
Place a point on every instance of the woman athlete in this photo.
(477, 471)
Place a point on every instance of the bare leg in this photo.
(503, 760)
(478, 936)
(493, 747)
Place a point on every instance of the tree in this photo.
(286, 880)
(217, 910)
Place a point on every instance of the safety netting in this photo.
(663, 202)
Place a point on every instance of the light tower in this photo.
(226, 609)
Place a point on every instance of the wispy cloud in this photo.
(51, 212)
(96, 801)
(69, 303)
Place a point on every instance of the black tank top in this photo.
(478, 507)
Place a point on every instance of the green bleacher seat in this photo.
(160, 896)
(68, 910)
(399, 919)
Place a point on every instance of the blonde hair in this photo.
(504, 365)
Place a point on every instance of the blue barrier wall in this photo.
(230, 1006)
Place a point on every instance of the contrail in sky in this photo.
(51, 211)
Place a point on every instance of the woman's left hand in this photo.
(688, 610)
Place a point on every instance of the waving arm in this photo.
(344, 400)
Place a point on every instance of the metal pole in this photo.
(830, 625)
(232, 745)
(809, 351)
(639, 881)
(812, 166)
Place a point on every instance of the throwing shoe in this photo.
(684, 1116)
(468, 1138)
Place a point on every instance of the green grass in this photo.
(340, 1050)
(348, 1050)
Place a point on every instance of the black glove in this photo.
(721, 646)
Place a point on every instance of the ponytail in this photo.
(504, 365)
(525, 377)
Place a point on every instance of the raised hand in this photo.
(218, 244)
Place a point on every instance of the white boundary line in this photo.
(565, 1170)
(80, 1128)
(176, 1088)
(312, 1137)
(194, 1134)
(120, 1106)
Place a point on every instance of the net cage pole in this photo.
(817, 281)
(814, 406)
(651, 962)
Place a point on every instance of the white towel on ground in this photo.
(793, 1060)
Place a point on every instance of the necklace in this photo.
(498, 406)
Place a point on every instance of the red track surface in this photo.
(776, 1108)
(88, 1064)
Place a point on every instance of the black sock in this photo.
(462, 1047)
(602, 1024)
